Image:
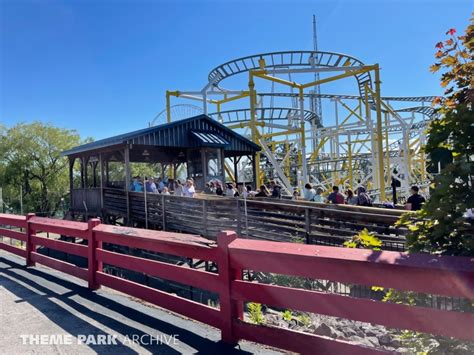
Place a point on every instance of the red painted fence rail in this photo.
(440, 275)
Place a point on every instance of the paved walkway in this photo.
(43, 311)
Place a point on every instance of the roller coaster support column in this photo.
(288, 159)
(368, 120)
(168, 103)
(171, 171)
(422, 156)
(380, 164)
(349, 160)
(387, 149)
(253, 127)
(168, 107)
(336, 144)
(303, 138)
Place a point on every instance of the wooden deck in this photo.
(266, 219)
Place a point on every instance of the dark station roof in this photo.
(187, 133)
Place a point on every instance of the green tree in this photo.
(30, 158)
(440, 226)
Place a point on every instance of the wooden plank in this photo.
(421, 319)
(10, 233)
(59, 226)
(13, 220)
(13, 250)
(264, 226)
(204, 217)
(192, 277)
(162, 242)
(60, 265)
(65, 247)
(188, 308)
(163, 206)
(442, 275)
(299, 342)
(307, 217)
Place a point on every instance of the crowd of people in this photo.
(271, 190)
(215, 187)
(159, 186)
(362, 198)
(336, 197)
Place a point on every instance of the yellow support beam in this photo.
(168, 104)
(232, 98)
(337, 77)
(277, 80)
(253, 127)
(229, 172)
(414, 142)
(361, 119)
(378, 104)
(314, 154)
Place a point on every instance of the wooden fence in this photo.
(440, 275)
(266, 219)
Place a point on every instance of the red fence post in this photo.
(230, 309)
(93, 264)
(30, 247)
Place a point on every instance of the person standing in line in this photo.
(137, 184)
(165, 191)
(150, 186)
(212, 187)
(296, 195)
(351, 199)
(178, 188)
(231, 190)
(335, 197)
(219, 190)
(188, 189)
(309, 193)
(236, 189)
(319, 195)
(263, 192)
(363, 199)
(247, 191)
(161, 184)
(415, 201)
(275, 189)
(207, 189)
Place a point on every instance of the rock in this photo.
(395, 343)
(371, 332)
(360, 341)
(325, 330)
(272, 319)
(373, 340)
(386, 339)
(404, 351)
(348, 332)
(462, 349)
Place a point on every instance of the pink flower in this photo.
(451, 31)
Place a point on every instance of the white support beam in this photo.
(281, 175)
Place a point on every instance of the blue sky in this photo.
(102, 67)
